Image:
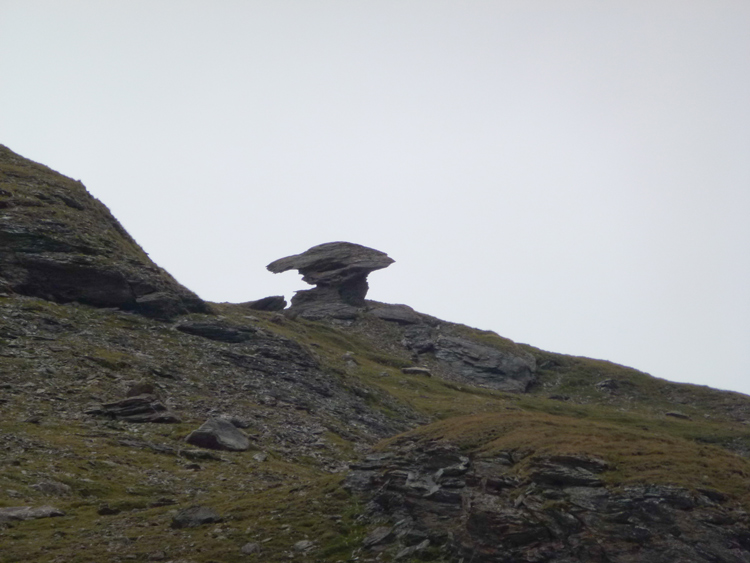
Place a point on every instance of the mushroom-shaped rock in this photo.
(339, 271)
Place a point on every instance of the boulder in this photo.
(59, 243)
(339, 271)
(219, 434)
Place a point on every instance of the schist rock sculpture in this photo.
(339, 271)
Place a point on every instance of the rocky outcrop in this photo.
(59, 243)
(485, 365)
(559, 511)
(339, 271)
(402, 314)
(139, 408)
(471, 361)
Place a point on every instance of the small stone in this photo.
(140, 388)
(260, 457)
(417, 371)
(402, 314)
(195, 516)
(676, 414)
(303, 545)
(383, 534)
(250, 548)
(106, 510)
(52, 488)
(608, 385)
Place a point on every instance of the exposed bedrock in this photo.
(59, 243)
(339, 271)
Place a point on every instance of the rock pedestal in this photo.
(339, 271)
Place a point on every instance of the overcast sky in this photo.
(573, 175)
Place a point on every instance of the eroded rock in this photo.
(339, 271)
(140, 408)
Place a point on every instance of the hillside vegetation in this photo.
(492, 451)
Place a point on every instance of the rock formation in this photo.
(586, 461)
(479, 507)
(59, 243)
(339, 271)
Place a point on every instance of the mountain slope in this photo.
(376, 433)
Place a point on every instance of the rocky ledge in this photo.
(59, 243)
(432, 501)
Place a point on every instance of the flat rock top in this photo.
(333, 262)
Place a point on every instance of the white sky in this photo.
(574, 175)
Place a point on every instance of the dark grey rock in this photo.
(485, 365)
(272, 303)
(608, 385)
(676, 414)
(557, 510)
(402, 314)
(107, 510)
(380, 535)
(195, 516)
(219, 434)
(141, 408)
(564, 476)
